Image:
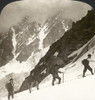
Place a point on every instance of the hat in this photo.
(89, 55)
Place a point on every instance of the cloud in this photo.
(39, 10)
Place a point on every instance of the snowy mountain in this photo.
(28, 38)
(33, 46)
(56, 26)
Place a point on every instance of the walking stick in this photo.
(63, 76)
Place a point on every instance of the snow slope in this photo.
(80, 89)
(74, 70)
(74, 87)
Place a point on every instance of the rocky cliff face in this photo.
(57, 26)
(6, 49)
(80, 33)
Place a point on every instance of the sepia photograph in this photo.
(47, 49)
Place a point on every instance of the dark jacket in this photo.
(10, 87)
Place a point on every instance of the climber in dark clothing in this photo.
(36, 82)
(33, 80)
(53, 68)
(10, 89)
(54, 72)
(31, 83)
(87, 66)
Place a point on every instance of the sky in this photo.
(40, 10)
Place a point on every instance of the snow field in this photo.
(79, 89)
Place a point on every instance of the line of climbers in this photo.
(51, 69)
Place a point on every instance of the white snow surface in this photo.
(79, 89)
(42, 35)
(14, 40)
(31, 39)
(14, 67)
(64, 26)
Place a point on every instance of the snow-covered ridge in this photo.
(14, 40)
(64, 26)
(31, 39)
(42, 35)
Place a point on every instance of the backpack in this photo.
(53, 69)
(85, 62)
